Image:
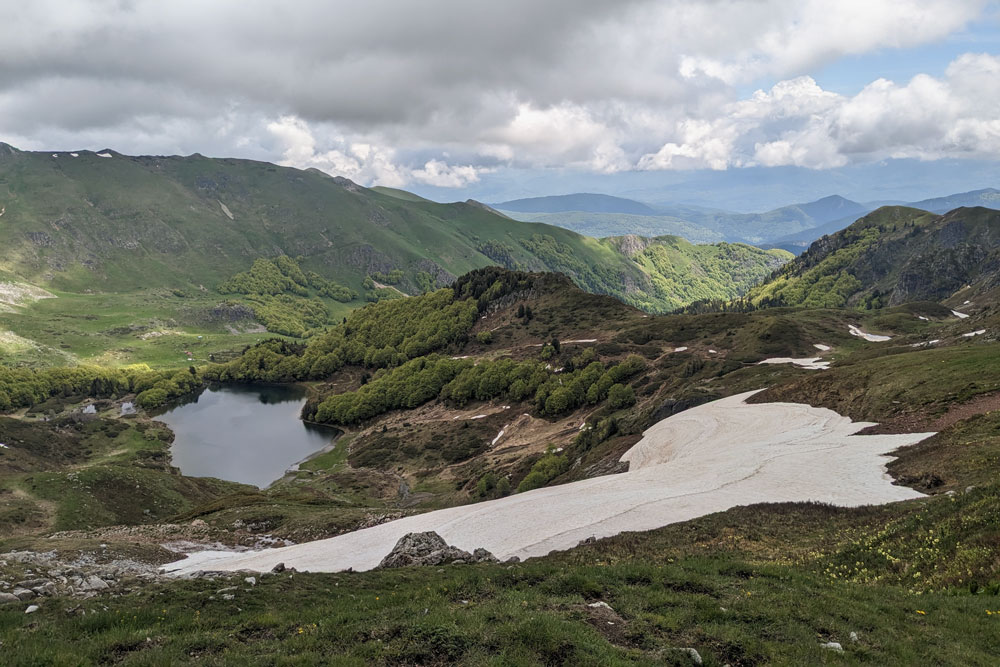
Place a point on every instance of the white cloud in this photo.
(443, 91)
(798, 123)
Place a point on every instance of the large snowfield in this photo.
(707, 459)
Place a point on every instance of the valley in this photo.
(819, 428)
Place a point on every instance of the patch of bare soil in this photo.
(924, 423)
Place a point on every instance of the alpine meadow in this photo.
(604, 333)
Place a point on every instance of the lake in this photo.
(243, 433)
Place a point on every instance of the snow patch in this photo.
(926, 343)
(925, 319)
(478, 417)
(706, 459)
(821, 347)
(810, 363)
(55, 155)
(873, 338)
(225, 209)
(975, 333)
(499, 435)
(2, 211)
(680, 349)
(104, 155)
(3, 446)
(75, 154)
(959, 315)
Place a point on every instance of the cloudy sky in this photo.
(450, 95)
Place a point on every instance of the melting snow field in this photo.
(707, 459)
(873, 338)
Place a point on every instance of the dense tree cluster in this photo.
(491, 283)
(381, 335)
(284, 298)
(460, 381)
(21, 387)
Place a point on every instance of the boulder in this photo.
(430, 549)
(8, 597)
(24, 593)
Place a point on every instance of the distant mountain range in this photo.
(791, 228)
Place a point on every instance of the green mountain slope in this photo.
(891, 256)
(122, 224)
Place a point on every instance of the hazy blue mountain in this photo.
(987, 198)
(581, 201)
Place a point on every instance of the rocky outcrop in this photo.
(430, 549)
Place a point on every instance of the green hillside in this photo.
(892, 256)
(155, 238)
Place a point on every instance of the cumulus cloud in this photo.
(442, 91)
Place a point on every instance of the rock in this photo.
(589, 540)
(199, 523)
(855, 638)
(280, 567)
(48, 588)
(228, 596)
(693, 654)
(251, 580)
(512, 560)
(31, 609)
(833, 646)
(8, 597)
(24, 593)
(93, 583)
(600, 605)
(481, 555)
(430, 549)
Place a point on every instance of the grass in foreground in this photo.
(730, 610)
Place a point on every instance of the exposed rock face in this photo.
(430, 549)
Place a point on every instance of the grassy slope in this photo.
(127, 223)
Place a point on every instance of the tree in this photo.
(621, 396)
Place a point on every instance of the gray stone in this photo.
(93, 583)
(24, 593)
(31, 609)
(855, 638)
(280, 567)
(833, 646)
(8, 597)
(251, 580)
(429, 548)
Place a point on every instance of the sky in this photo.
(462, 98)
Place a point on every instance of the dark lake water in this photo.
(250, 434)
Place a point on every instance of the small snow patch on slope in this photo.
(104, 155)
(874, 338)
(975, 333)
(225, 209)
(810, 363)
(959, 315)
(821, 347)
